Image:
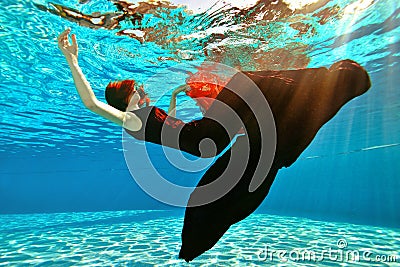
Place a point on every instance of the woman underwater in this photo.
(301, 101)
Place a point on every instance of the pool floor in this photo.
(152, 238)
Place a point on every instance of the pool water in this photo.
(67, 197)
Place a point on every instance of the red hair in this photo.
(118, 94)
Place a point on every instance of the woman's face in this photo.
(134, 101)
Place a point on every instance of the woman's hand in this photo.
(69, 50)
(179, 89)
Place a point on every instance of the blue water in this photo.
(67, 197)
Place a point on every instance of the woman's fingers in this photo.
(64, 34)
(67, 48)
(74, 43)
(63, 38)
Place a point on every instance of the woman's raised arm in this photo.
(172, 104)
(85, 91)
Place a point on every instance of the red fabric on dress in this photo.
(204, 88)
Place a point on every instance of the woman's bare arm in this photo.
(172, 104)
(85, 91)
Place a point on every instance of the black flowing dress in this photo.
(301, 101)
